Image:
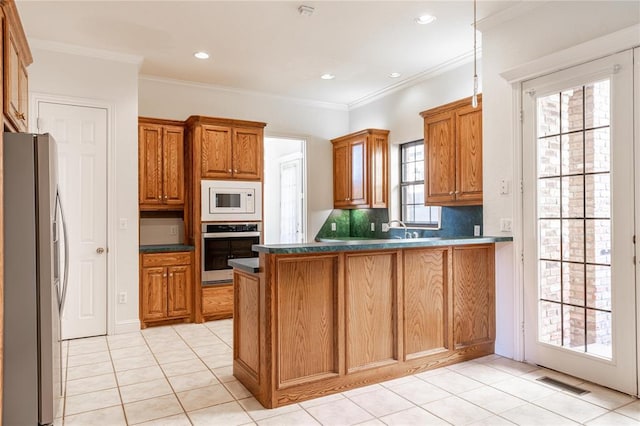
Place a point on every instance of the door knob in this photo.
(100, 250)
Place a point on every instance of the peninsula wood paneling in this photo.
(371, 298)
(247, 322)
(473, 295)
(425, 301)
(307, 319)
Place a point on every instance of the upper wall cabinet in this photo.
(161, 164)
(361, 169)
(16, 57)
(227, 149)
(453, 153)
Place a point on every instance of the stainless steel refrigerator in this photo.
(35, 264)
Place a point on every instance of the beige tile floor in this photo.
(182, 375)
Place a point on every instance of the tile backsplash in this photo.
(455, 221)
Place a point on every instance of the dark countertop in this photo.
(165, 248)
(333, 245)
(250, 265)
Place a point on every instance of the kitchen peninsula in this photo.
(320, 318)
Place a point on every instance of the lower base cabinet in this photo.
(313, 324)
(217, 302)
(165, 288)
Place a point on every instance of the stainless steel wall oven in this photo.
(224, 241)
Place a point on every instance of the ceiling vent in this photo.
(304, 10)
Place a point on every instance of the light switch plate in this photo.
(476, 230)
(333, 226)
(505, 225)
(373, 226)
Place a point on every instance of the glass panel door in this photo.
(578, 204)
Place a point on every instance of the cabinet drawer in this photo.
(217, 300)
(166, 259)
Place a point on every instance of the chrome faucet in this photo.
(401, 223)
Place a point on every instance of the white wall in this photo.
(543, 30)
(284, 117)
(113, 83)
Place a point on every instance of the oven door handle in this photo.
(230, 234)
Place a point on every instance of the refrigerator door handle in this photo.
(65, 280)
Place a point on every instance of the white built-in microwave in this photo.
(228, 200)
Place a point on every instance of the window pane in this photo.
(408, 172)
(418, 193)
(597, 150)
(407, 194)
(598, 241)
(549, 198)
(549, 115)
(571, 104)
(550, 280)
(599, 333)
(574, 327)
(409, 154)
(598, 96)
(423, 214)
(573, 240)
(549, 156)
(550, 239)
(598, 199)
(550, 323)
(573, 283)
(573, 197)
(419, 170)
(599, 287)
(420, 152)
(572, 154)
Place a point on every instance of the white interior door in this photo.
(81, 134)
(578, 174)
(291, 201)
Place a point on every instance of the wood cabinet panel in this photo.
(473, 295)
(173, 164)
(161, 176)
(370, 298)
(469, 148)
(15, 90)
(247, 153)
(165, 286)
(306, 319)
(247, 322)
(150, 165)
(217, 302)
(425, 301)
(440, 158)
(179, 291)
(341, 174)
(216, 153)
(453, 154)
(154, 293)
(360, 169)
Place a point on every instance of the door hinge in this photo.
(634, 239)
(522, 327)
(521, 187)
(521, 116)
(522, 257)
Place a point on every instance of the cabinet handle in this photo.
(165, 197)
(164, 275)
(450, 192)
(457, 192)
(170, 275)
(229, 171)
(20, 115)
(235, 170)
(159, 197)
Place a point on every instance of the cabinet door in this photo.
(469, 154)
(12, 75)
(150, 165)
(426, 295)
(341, 174)
(173, 165)
(216, 152)
(358, 150)
(473, 295)
(154, 293)
(179, 291)
(439, 152)
(247, 153)
(379, 171)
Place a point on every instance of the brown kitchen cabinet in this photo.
(165, 287)
(453, 154)
(161, 167)
(361, 169)
(228, 149)
(217, 302)
(16, 58)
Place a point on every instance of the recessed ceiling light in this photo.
(327, 76)
(425, 19)
(201, 55)
(395, 75)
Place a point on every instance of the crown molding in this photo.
(519, 8)
(449, 65)
(72, 49)
(228, 89)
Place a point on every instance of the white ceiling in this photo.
(267, 46)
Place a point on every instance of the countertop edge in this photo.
(358, 245)
(165, 248)
(250, 265)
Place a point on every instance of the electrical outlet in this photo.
(333, 226)
(385, 227)
(505, 225)
(504, 186)
(122, 297)
(476, 230)
(173, 230)
(373, 226)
